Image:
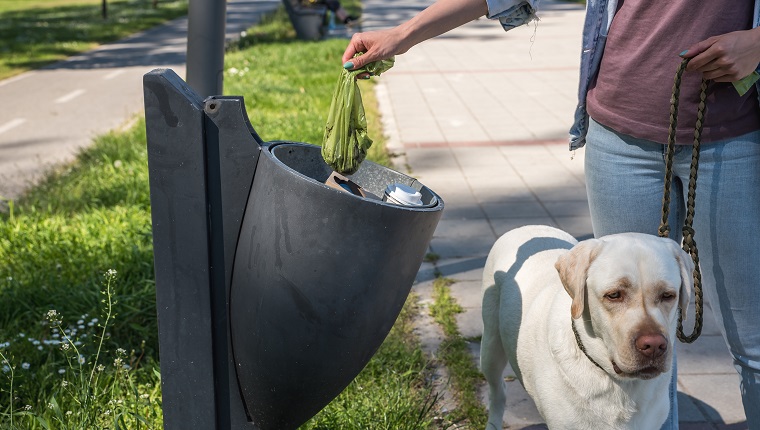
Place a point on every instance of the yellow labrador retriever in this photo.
(588, 327)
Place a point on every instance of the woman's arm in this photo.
(726, 58)
(438, 18)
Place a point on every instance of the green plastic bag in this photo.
(345, 143)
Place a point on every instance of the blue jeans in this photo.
(624, 180)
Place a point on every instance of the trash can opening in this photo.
(307, 160)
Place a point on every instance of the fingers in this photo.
(353, 62)
(361, 43)
(698, 48)
(717, 64)
(719, 72)
(700, 56)
(725, 58)
(373, 45)
(354, 46)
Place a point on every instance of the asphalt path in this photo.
(50, 114)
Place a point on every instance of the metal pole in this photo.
(205, 46)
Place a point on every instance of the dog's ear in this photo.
(686, 264)
(573, 268)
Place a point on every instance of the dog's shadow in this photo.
(693, 413)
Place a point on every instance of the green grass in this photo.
(38, 32)
(393, 392)
(55, 246)
(93, 216)
(455, 354)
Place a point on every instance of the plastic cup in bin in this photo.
(401, 194)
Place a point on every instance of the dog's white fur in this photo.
(538, 279)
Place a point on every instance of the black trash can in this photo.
(309, 22)
(319, 278)
(274, 290)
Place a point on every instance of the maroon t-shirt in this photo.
(633, 88)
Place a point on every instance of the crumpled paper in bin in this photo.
(345, 143)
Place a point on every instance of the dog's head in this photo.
(629, 286)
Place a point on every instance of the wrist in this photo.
(405, 36)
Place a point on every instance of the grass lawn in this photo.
(38, 32)
(78, 333)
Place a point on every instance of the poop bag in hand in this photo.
(345, 142)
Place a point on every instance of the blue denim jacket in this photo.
(599, 13)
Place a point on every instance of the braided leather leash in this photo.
(689, 245)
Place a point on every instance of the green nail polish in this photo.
(367, 77)
(683, 53)
(348, 65)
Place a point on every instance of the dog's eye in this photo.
(666, 297)
(614, 296)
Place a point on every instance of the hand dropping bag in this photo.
(345, 143)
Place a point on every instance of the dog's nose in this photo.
(652, 345)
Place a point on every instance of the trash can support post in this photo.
(196, 167)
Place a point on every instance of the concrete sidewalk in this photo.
(481, 116)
